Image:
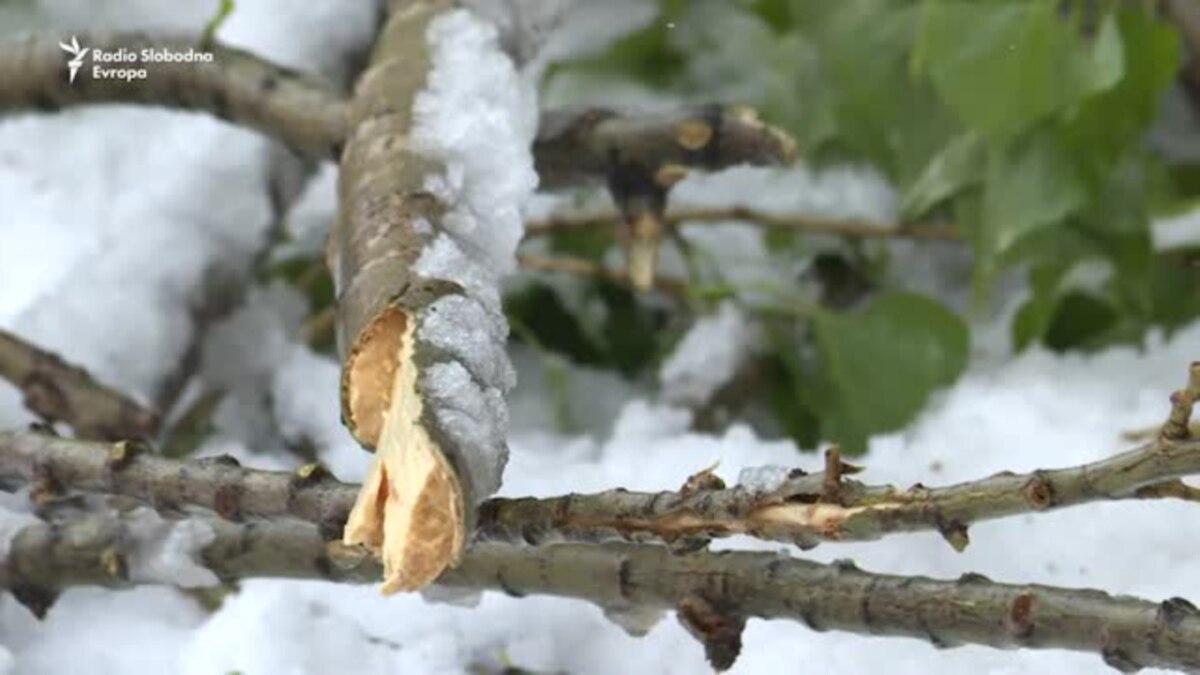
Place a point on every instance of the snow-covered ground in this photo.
(112, 218)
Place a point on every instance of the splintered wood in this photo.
(410, 509)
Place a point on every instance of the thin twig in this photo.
(793, 221)
(586, 268)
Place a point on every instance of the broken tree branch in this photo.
(429, 472)
(714, 592)
(236, 86)
(58, 391)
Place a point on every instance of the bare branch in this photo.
(58, 391)
(311, 117)
(586, 268)
(713, 592)
(799, 511)
(236, 86)
(789, 221)
(592, 144)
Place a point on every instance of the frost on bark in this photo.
(425, 231)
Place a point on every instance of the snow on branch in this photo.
(434, 171)
(712, 593)
(58, 391)
(237, 86)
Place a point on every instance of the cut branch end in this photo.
(410, 509)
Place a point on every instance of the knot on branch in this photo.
(718, 628)
(1177, 427)
(1019, 619)
(1039, 493)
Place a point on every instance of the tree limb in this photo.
(706, 588)
(799, 511)
(592, 144)
(58, 391)
(236, 86)
(312, 117)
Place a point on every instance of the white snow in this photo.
(708, 356)
(478, 116)
(167, 552)
(763, 478)
(111, 218)
(15, 514)
(473, 417)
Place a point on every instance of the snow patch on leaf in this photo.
(708, 356)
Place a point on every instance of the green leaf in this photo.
(1033, 318)
(647, 55)
(590, 243)
(879, 365)
(799, 98)
(1029, 185)
(788, 398)
(224, 9)
(959, 165)
(1107, 125)
(1003, 66)
(553, 326)
(629, 329)
(1079, 322)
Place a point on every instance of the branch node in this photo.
(955, 534)
(704, 479)
(669, 174)
(1177, 426)
(313, 472)
(113, 564)
(844, 565)
(835, 468)
(36, 599)
(1039, 493)
(693, 134)
(1172, 612)
(122, 453)
(968, 578)
(1019, 620)
(718, 629)
(1120, 660)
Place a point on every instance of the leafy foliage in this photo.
(1023, 122)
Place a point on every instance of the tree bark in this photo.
(713, 592)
